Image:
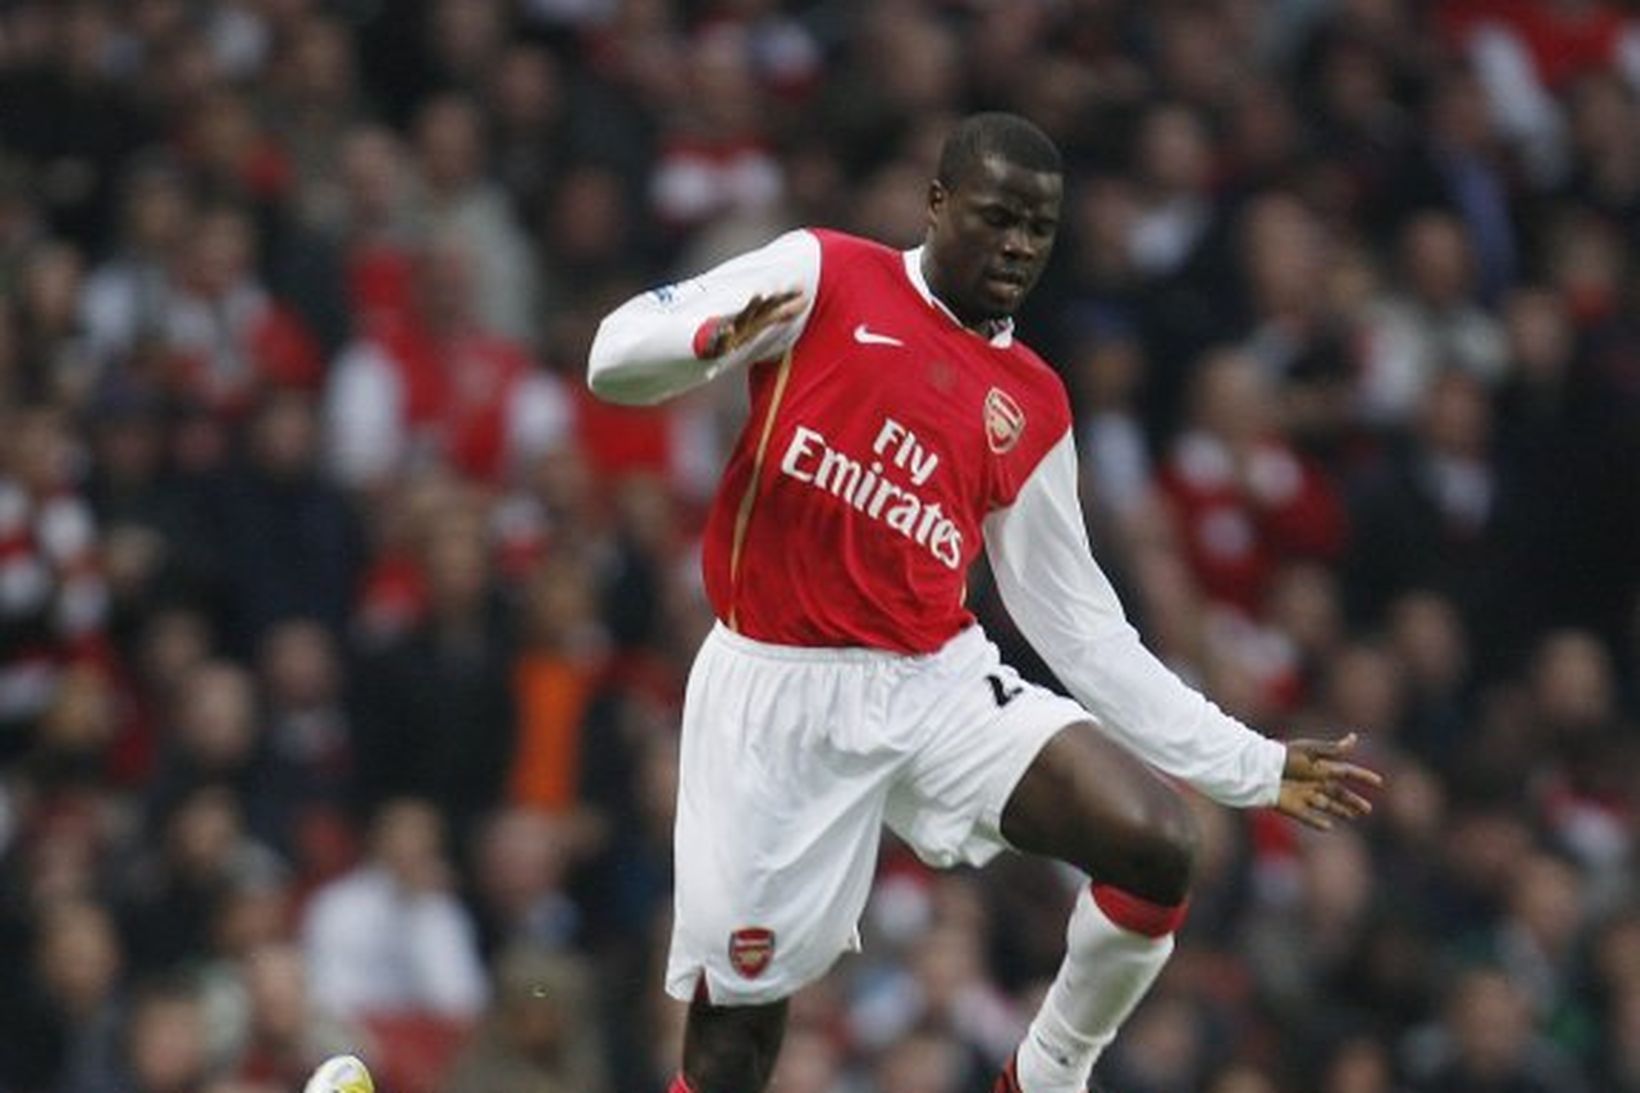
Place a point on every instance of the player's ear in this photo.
(937, 197)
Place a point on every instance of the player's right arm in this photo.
(664, 342)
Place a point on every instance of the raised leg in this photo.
(1086, 801)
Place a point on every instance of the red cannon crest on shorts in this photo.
(750, 950)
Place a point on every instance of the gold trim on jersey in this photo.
(743, 516)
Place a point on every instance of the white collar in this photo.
(1003, 329)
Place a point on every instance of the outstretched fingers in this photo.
(1320, 806)
(1336, 772)
(761, 312)
(1319, 786)
(1341, 801)
(1312, 810)
(777, 307)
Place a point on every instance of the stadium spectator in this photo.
(713, 161)
(171, 891)
(375, 232)
(526, 97)
(390, 938)
(436, 711)
(124, 299)
(434, 384)
(1429, 516)
(1166, 1049)
(65, 1022)
(285, 1034)
(309, 736)
(172, 640)
(519, 868)
(1108, 370)
(80, 122)
(166, 1047)
(1436, 326)
(925, 1061)
(286, 540)
(1176, 213)
(1486, 1038)
(537, 1034)
(810, 1063)
(1426, 637)
(460, 202)
(313, 102)
(1243, 499)
(225, 335)
(1460, 166)
(1300, 336)
(53, 602)
(214, 736)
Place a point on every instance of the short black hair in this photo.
(1007, 137)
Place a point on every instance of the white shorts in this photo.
(793, 759)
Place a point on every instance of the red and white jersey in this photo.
(852, 507)
(886, 443)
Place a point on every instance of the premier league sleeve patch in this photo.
(677, 293)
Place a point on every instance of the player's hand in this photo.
(1319, 785)
(760, 313)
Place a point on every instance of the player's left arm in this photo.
(1065, 605)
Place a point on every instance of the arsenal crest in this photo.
(750, 950)
(1004, 420)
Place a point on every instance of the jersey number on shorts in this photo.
(1001, 691)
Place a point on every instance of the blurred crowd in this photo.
(342, 635)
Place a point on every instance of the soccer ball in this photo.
(340, 1074)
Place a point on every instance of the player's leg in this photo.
(783, 772)
(1009, 764)
(1084, 800)
(731, 1049)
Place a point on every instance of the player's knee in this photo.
(1160, 852)
(1175, 840)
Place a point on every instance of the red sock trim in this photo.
(680, 1085)
(1138, 914)
(704, 334)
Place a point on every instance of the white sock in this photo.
(1107, 969)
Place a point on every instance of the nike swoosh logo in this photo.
(867, 337)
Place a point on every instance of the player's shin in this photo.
(1116, 945)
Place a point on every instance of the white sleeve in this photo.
(644, 351)
(1064, 604)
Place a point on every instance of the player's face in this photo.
(989, 237)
